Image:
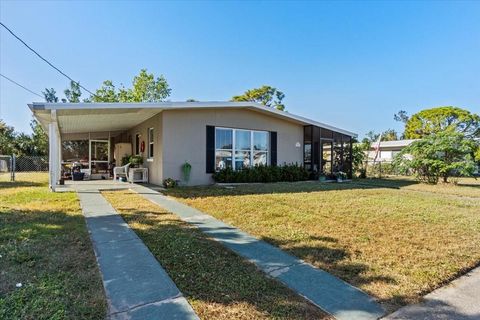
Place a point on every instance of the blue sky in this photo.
(349, 64)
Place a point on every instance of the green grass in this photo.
(395, 239)
(217, 283)
(44, 245)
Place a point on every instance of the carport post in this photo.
(54, 148)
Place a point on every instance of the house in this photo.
(208, 135)
(388, 149)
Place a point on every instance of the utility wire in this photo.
(18, 84)
(48, 62)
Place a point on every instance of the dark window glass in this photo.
(223, 138)
(137, 144)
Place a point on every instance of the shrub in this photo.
(441, 155)
(169, 183)
(288, 172)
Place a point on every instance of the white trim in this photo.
(39, 106)
(150, 156)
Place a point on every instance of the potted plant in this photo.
(169, 183)
(341, 176)
(136, 161)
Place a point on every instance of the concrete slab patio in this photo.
(328, 292)
(136, 285)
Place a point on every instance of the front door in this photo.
(99, 157)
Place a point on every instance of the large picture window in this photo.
(238, 148)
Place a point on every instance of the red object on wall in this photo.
(142, 146)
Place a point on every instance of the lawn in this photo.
(216, 282)
(395, 239)
(44, 245)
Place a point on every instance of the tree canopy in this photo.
(73, 93)
(436, 120)
(266, 95)
(145, 88)
(387, 135)
(19, 143)
(439, 155)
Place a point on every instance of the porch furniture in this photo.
(138, 175)
(87, 173)
(121, 172)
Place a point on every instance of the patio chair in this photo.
(121, 172)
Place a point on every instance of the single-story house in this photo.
(207, 135)
(388, 149)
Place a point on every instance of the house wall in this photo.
(184, 138)
(154, 165)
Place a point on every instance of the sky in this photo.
(349, 64)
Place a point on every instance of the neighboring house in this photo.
(388, 149)
(208, 135)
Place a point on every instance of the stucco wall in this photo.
(155, 165)
(184, 138)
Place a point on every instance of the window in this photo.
(137, 144)
(150, 142)
(237, 149)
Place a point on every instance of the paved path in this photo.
(331, 294)
(136, 285)
(459, 300)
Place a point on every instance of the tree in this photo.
(145, 88)
(50, 95)
(359, 155)
(39, 139)
(401, 116)
(266, 95)
(7, 138)
(73, 94)
(435, 120)
(106, 93)
(387, 135)
(439, 155)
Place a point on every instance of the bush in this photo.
(169, 183)
(288, 172)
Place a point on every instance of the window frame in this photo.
(151, 142)
(233, 150)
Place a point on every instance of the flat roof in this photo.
(139, 112)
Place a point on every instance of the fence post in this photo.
(13, 167)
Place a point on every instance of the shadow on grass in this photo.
(225, 285)
(19, 184)
(284, 187)
(49, 252)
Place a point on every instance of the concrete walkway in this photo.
(459, 300)
(135, 284)
(328, 292)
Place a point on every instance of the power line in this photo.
(18, 84)
(48, 62)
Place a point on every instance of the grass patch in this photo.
(45, 246)
(217, 283)
(397, 240)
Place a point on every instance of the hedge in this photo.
(287, 172)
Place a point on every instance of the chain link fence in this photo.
(379, 169)
(6, 168)
(11, 166)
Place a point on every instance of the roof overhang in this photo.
(91, 117)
